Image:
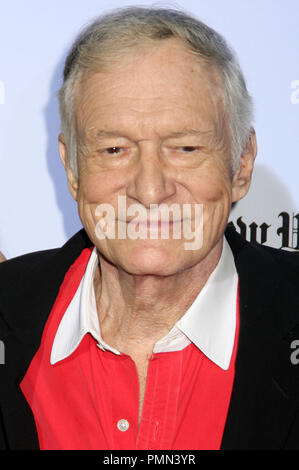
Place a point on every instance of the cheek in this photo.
(214, 193)
(213, 190)
(96, 188)
(211, 185)
(92, 192)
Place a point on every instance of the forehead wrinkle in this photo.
(93, 132)
(146, 118)
(206, 76)
(212, 108)
(114, 92)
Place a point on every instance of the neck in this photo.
(136, 311)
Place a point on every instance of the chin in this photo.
(151, 261)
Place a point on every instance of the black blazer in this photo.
(264, 407)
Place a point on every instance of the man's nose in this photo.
(151, 182)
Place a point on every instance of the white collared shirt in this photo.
(210, 322)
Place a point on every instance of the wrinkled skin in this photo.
(153, 129)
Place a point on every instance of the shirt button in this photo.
(123, 425)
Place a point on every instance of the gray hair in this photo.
(112, 35)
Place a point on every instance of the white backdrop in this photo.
(36, 211)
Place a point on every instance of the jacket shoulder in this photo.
(255, 252)
(29, 285)
(14, 271)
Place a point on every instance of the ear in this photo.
(242, 176)
(72, 180)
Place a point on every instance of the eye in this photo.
(113, 150)
(188, 148)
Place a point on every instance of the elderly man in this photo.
(127, 339)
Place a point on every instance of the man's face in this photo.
(153, 130)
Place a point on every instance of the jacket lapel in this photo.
(26, 302)
(263, 399)
(266, 384)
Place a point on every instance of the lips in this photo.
(152, 223)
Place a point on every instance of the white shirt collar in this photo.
(210, 322)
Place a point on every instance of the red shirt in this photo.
(78, 402)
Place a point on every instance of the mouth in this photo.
(151, 223)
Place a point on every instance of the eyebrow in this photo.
(103, 133)
(188, 131)
(115, 133)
